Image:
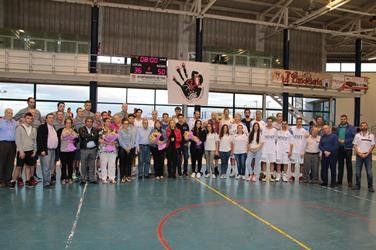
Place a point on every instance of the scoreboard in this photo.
(149, 65)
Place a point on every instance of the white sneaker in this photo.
(222, 177)
(243, 177)
(193, 175)
(238, 177)
(198, 175)
(207, 176)
(232, 174)
(213, 176)
(284, 177)
(278, 177)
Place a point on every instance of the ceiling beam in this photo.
(207, 7)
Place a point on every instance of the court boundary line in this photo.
(345, 193)
(254, 215)
(76, 218)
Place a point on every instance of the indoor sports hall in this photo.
(187, 124)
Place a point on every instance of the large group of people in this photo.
(104, 148)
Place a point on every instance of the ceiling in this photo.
(341, 20)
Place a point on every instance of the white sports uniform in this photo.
(261, 123)
(284, 141)
(269, 137)
(234, 129)
(300, 141)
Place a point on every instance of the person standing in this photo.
(124, 111)
(329, 147)
(138, 118)
(183, 150)
(197, 148)
(26, 143)
(211, 145)
(247, 120)
(239, 150)
(284, 152)
(67, 141)
(89, 137)
(178, 111)
(158, 149)
(224, 148)
(258, 119)
(31, 104)
(78, 122)
(269, 150)
(165, 121)
(143, 149)
(47, 143)
(346, 134)
(255, 144)
(127, 141)
(87, 111)
(7, 146)
(226, 119)
(196, 117)
(154, 118)
(312, 157)
(299, 141)
(174, 139)
(364, 143)
(107, 152)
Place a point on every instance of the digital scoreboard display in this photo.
(149, 65)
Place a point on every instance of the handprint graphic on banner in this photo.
(187, 82)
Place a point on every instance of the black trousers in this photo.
(158, 157)
(172, 162)
(7, 156)
(196, 157)
(67, 159)
(126, 160)
(342, 156)
(326, 163)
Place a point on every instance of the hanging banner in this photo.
(343, 82)
(188, 82)
(301, 78)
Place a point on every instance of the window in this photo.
(206, 112)
(146, 109)
(272, 104)
(368, 67)
(144, 96)
(113, 95)
(62, 92)
(15, 105)
(165, 109)
(248, 101)
(115, 108)
(16, 91)
(347, 67)
(333, 67)
(220, 99)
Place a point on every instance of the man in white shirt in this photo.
(278, 123)
(269, 137)
(284, 151)
(154, 117)
(259, 120)
(300, 139)
(138, 118)
(238, 121)
(312, 157)
(364, 143)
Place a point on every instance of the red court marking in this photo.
(177, 211)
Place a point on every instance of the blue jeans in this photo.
(183, 155)
(225, 156)
(326, 163)
(240, 162)
(367, 162)
(144, 161)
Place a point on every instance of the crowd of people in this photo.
(103, 148)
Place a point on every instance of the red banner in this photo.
(301, 78)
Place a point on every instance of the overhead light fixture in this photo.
(372, 58)
(21, 31)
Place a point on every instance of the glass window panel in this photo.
(144, 96)
(68, 47)
(146, 109)
(272, 113)
(52, 46)
(272, 104)
(162, 97)
(248, 101)
(347, 67)
(15, 105)
(115, 108)
(16, 90)
(253, 112)
(62, 92)
(165, 109)
(115, 95)
(220, 99)
(48, 107)
(368, 67)
(333, 67)
(206, 112)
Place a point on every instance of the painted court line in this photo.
(347, 194)
(73, 230)
(254, 215)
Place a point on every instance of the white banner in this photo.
(143, 78)
(188, 82)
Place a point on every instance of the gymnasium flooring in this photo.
(188, 214)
